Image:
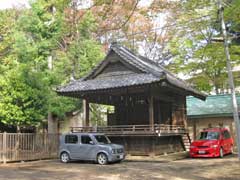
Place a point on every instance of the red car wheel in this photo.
(221, 153)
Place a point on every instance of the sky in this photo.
(4, 4)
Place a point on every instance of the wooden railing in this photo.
(157, 129)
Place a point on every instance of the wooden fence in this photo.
(28, 146)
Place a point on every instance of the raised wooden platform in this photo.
(134, 130)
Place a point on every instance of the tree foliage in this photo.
(22, 97)
(135, 24)
(36, 59)
(197, 46)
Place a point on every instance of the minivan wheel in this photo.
(102, 159)
(64, 157)
(221, 152)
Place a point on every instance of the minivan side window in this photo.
(85, 139)
(226, 135)
(71, 139)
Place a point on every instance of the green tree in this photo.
(8, 20)
(196, 52)
(22, 101)
(41, 58)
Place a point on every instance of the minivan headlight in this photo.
(114, 151)
(192, 146)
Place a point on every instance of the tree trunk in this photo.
(52, 124)
(18, 129)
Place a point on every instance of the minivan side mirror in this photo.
(91, 142)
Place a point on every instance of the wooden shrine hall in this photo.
(149, 102)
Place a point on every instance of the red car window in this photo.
(226, 135)
(209, 135)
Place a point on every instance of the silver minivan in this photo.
(89, 146)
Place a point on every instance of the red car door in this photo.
(222, 141)
(227, 141)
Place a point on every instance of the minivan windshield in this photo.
(209, 135)
(101, 139)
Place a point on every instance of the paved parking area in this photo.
(227, 168)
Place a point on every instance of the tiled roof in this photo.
(149, 72)
(110, 83)
(213, 106)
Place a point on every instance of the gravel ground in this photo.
(227, 168)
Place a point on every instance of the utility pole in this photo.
(230, 75)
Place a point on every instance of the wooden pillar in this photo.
(174, 114)
(4, 147)
(184, 106)
(194, 129)
(151, 113)
(86, 112)
(152, 147)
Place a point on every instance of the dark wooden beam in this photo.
(151, 112)
(86, 112)
(194, 129)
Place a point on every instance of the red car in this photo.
(212, 142)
